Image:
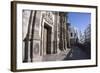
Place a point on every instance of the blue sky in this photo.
(79, 20)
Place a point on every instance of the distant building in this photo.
(87, 33)
(87, 43)
(44, 32)
(72, 36)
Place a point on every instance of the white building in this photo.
(72, 36)
(87, 33)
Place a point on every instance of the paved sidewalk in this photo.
(56, 57)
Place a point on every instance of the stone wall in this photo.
(34, 23)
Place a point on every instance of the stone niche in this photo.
(48, 16)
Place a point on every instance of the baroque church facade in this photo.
(43, 33)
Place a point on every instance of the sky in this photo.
(79, 20)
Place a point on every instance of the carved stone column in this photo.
(27, 39)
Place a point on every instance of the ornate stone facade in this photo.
(44, 33)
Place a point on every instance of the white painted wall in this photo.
(5, 37)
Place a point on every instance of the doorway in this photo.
(47, 39)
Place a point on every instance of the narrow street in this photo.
(76, 54)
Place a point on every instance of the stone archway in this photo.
(47, 39)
